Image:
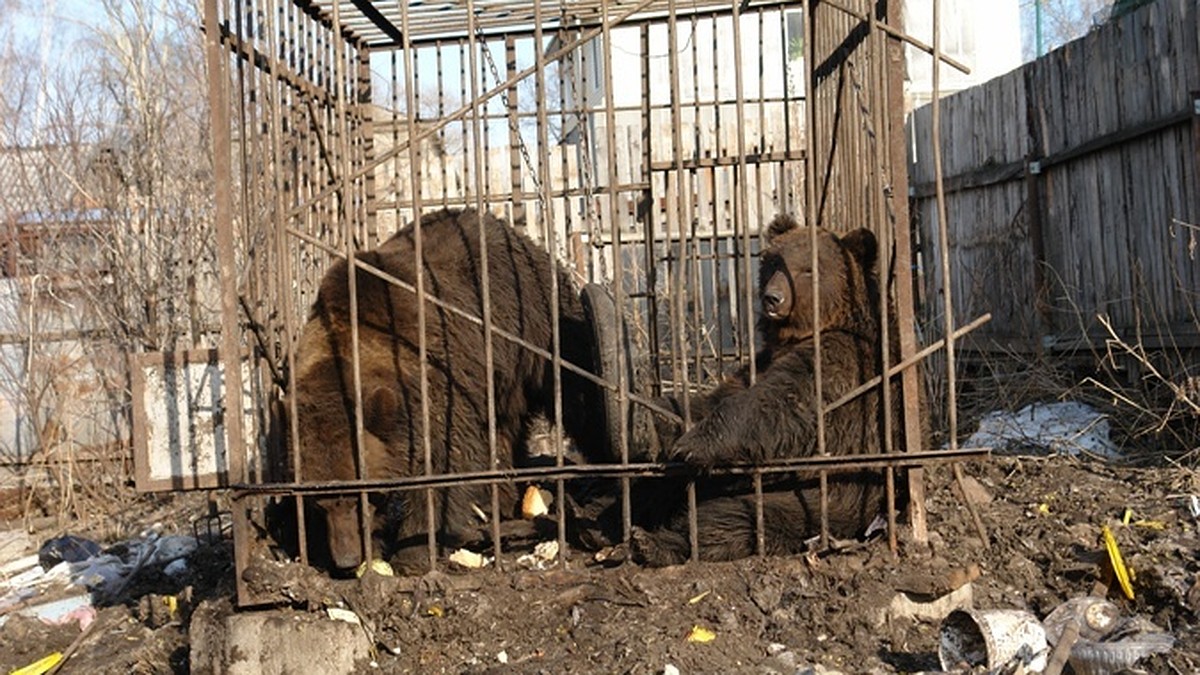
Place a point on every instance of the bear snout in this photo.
(777, 296)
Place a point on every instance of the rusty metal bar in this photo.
(681, 206)
(890, 27)
(911, 384)
(346, 221)
(743, 223)
(811, 218)
(546, 221)
(227, 266)
(485, 278)
(829, 463)
(876, 131)
(618, 281)
(414, 169)
(947, 294)
(285, 272)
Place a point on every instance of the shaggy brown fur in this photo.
(519, 275)
(775, 417)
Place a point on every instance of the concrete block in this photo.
(273, 642)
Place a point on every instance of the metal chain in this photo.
(511, 116)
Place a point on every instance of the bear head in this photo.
(848, 287)
(325, 424)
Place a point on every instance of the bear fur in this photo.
(388, 337)
(774, 418)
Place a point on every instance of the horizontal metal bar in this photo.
(730, 160)
(899, 35)
(906, 363)
(831, 463)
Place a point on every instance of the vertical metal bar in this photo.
(811, 217)
(285, 270)
(682, 214)
(715, 240)
(944, 245)
(648, 219)
(877, 117)
(911, 385)
(744, 218)
(484, 276)
(415, 187)
(548, 225)
(943, 232)
(227, 267)
(339, 90)
(619, 299)
(695, 181)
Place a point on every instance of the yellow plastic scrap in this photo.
(40, 666)
(698, 598)
(701, 634)
(1044, 508)
(1118, 564)
(1150, 524)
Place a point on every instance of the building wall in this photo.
(984, 36)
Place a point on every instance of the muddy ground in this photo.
(776, 615)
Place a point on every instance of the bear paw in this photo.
(657, 549)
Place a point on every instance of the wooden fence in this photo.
(1072, 191)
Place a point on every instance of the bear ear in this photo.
(784, 222)
(863, 245)
(381, 412)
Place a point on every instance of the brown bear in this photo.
(519, 274)
(775, 417)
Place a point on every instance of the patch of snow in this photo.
(1067, 427)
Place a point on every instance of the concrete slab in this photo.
(273, 642)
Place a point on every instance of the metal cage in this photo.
(644, 144)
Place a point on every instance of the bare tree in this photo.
(109, 246)
(1053, 23)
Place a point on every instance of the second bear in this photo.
(776, 416)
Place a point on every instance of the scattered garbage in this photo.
(67, 548)
(380, 567)
(1117, 563)
(1098, 640)
(469, 559)
(1106, 642)
(992, 638)
(1193, 504)
(1066, 427)
(701, 634)
(42, 665)
(110, 573)
(76, 607)
(64, 563)
(544, 554)
(340, 614)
